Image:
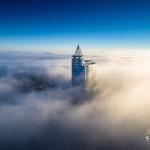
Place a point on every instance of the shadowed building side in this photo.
(80, 68)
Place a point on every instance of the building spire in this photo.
(78, 51)
(78, 47)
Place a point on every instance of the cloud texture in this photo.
(44, 116)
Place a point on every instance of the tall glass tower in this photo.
(80, 68)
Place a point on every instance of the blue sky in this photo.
(59, 25)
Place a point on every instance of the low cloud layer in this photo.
(40, 110)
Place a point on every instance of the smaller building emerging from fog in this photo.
(80, 69)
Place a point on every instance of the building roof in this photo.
(78, 51)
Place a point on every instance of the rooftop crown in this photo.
(78, 51)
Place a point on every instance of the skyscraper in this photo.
(80, 68)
